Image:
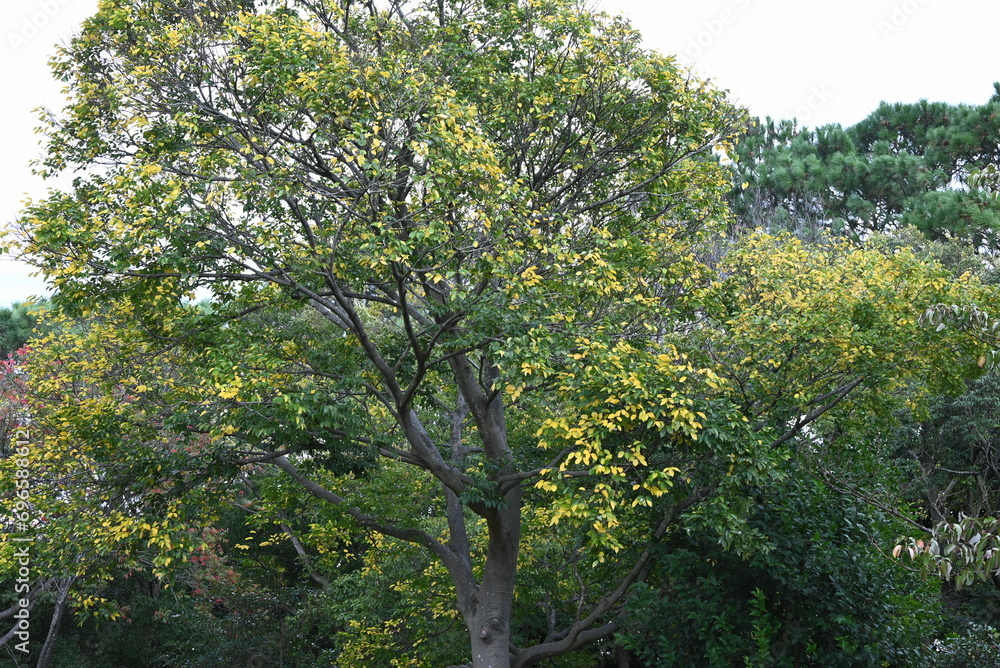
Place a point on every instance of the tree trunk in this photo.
(489, 610)
(487, 607)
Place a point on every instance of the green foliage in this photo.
(979, 646)
(815, 592)
(959, 435)
(16, 325)
(905, 164)
(400, 217)
(965, 550)
(471, 341)
(954, 459)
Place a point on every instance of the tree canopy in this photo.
(469, 298)
(460, 194)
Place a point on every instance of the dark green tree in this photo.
(956, 453)
(905, 164)
(16, 323)
(816, 593)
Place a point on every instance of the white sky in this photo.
(821, 62)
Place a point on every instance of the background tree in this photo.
(16, 324)
(817, 591)
(800, 343)
(905, 164)
(89, 515)
(931, 166)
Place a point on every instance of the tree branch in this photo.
(367, 521)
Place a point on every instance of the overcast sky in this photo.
(820, 62)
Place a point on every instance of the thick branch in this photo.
(839, 394)
(301, 551)
(580, 633)
(32, 599)
(371, 522)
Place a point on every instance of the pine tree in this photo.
(905, 164)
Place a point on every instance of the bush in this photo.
(979, 647)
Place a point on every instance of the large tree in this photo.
(438, 183)
(458, 287)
